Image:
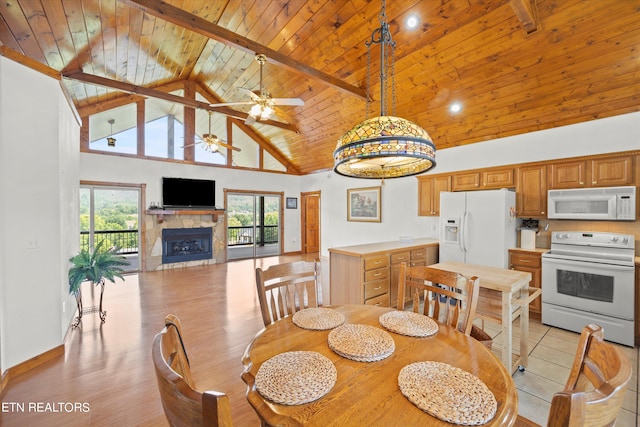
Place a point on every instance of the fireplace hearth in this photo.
(186, 244)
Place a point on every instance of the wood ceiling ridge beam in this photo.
(153, 93)
(194, 23)
(526, 14)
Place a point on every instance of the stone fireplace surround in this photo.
(157, 220)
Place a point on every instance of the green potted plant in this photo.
(94, 266)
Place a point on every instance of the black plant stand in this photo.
(91, 309)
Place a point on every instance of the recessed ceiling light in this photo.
(456, 107)
(413, 21)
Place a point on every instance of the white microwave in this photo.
(606, 203)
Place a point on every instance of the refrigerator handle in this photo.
(465, 224)
(463, 229)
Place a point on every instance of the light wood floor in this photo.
(108, 366)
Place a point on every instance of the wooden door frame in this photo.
(303, 220)
(142, 232)
(280, 194)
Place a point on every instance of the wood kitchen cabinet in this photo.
(485, 179)
(368, 274)
(531, 192)
(597, 172)
(465, 181)
(429, 189)
(529, 261)
(612, 172)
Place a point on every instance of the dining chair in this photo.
(286, 288)
(595, 389)
(183, 405)
(445, 296)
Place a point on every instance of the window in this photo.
(163, 129)
(123, 129)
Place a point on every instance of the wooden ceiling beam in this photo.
(524, 12)
(153, 93)
(194, 23)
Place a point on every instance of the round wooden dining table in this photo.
(367, 393)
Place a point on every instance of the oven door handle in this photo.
(609, 267)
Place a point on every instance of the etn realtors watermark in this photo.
(45, 407)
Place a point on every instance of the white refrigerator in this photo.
(478, 227)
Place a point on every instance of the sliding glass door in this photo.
(111, 214)
(253, 224)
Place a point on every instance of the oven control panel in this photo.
(599, 239)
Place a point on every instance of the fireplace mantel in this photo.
(162, 212)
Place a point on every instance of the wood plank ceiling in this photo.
(515, 66)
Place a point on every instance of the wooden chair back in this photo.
(445, 296)
(286, 288)
(182, 404)
(596, 386)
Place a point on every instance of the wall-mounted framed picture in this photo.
(292, 203)
(364, 204)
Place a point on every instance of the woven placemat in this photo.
(296, 377)
(448, 393)
(318, 319)
(363, 343)
(409, 323)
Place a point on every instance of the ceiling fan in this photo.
(263, 105)
(211, 142)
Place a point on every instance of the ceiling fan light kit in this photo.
(384, 146)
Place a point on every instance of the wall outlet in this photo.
(32, 243)
(64, 306)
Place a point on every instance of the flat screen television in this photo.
(188, 193)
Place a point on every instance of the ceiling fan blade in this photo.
(191, 145)
(287, 101)
(222, 144)
(228, 104)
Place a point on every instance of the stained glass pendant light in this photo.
(384, 146)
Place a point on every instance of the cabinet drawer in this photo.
(376, 288)
(376, 262)
(529, 260)
(399, 257)
(419, 254)
(381, 301)
(377, 274)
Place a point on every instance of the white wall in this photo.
(37, 169)
(97, 167)
(400, 195)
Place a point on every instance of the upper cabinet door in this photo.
(568, 175)
(429, 189)
(531, 192)
(612, 172)
(497, 178)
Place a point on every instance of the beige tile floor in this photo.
(551, 354)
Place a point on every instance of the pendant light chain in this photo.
(368, 103)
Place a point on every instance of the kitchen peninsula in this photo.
(368, 273)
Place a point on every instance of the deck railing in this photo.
(243, 235)
(126, 240)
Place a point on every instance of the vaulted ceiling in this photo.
(515, 66)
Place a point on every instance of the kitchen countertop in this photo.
(369, 248)
(538, 250)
